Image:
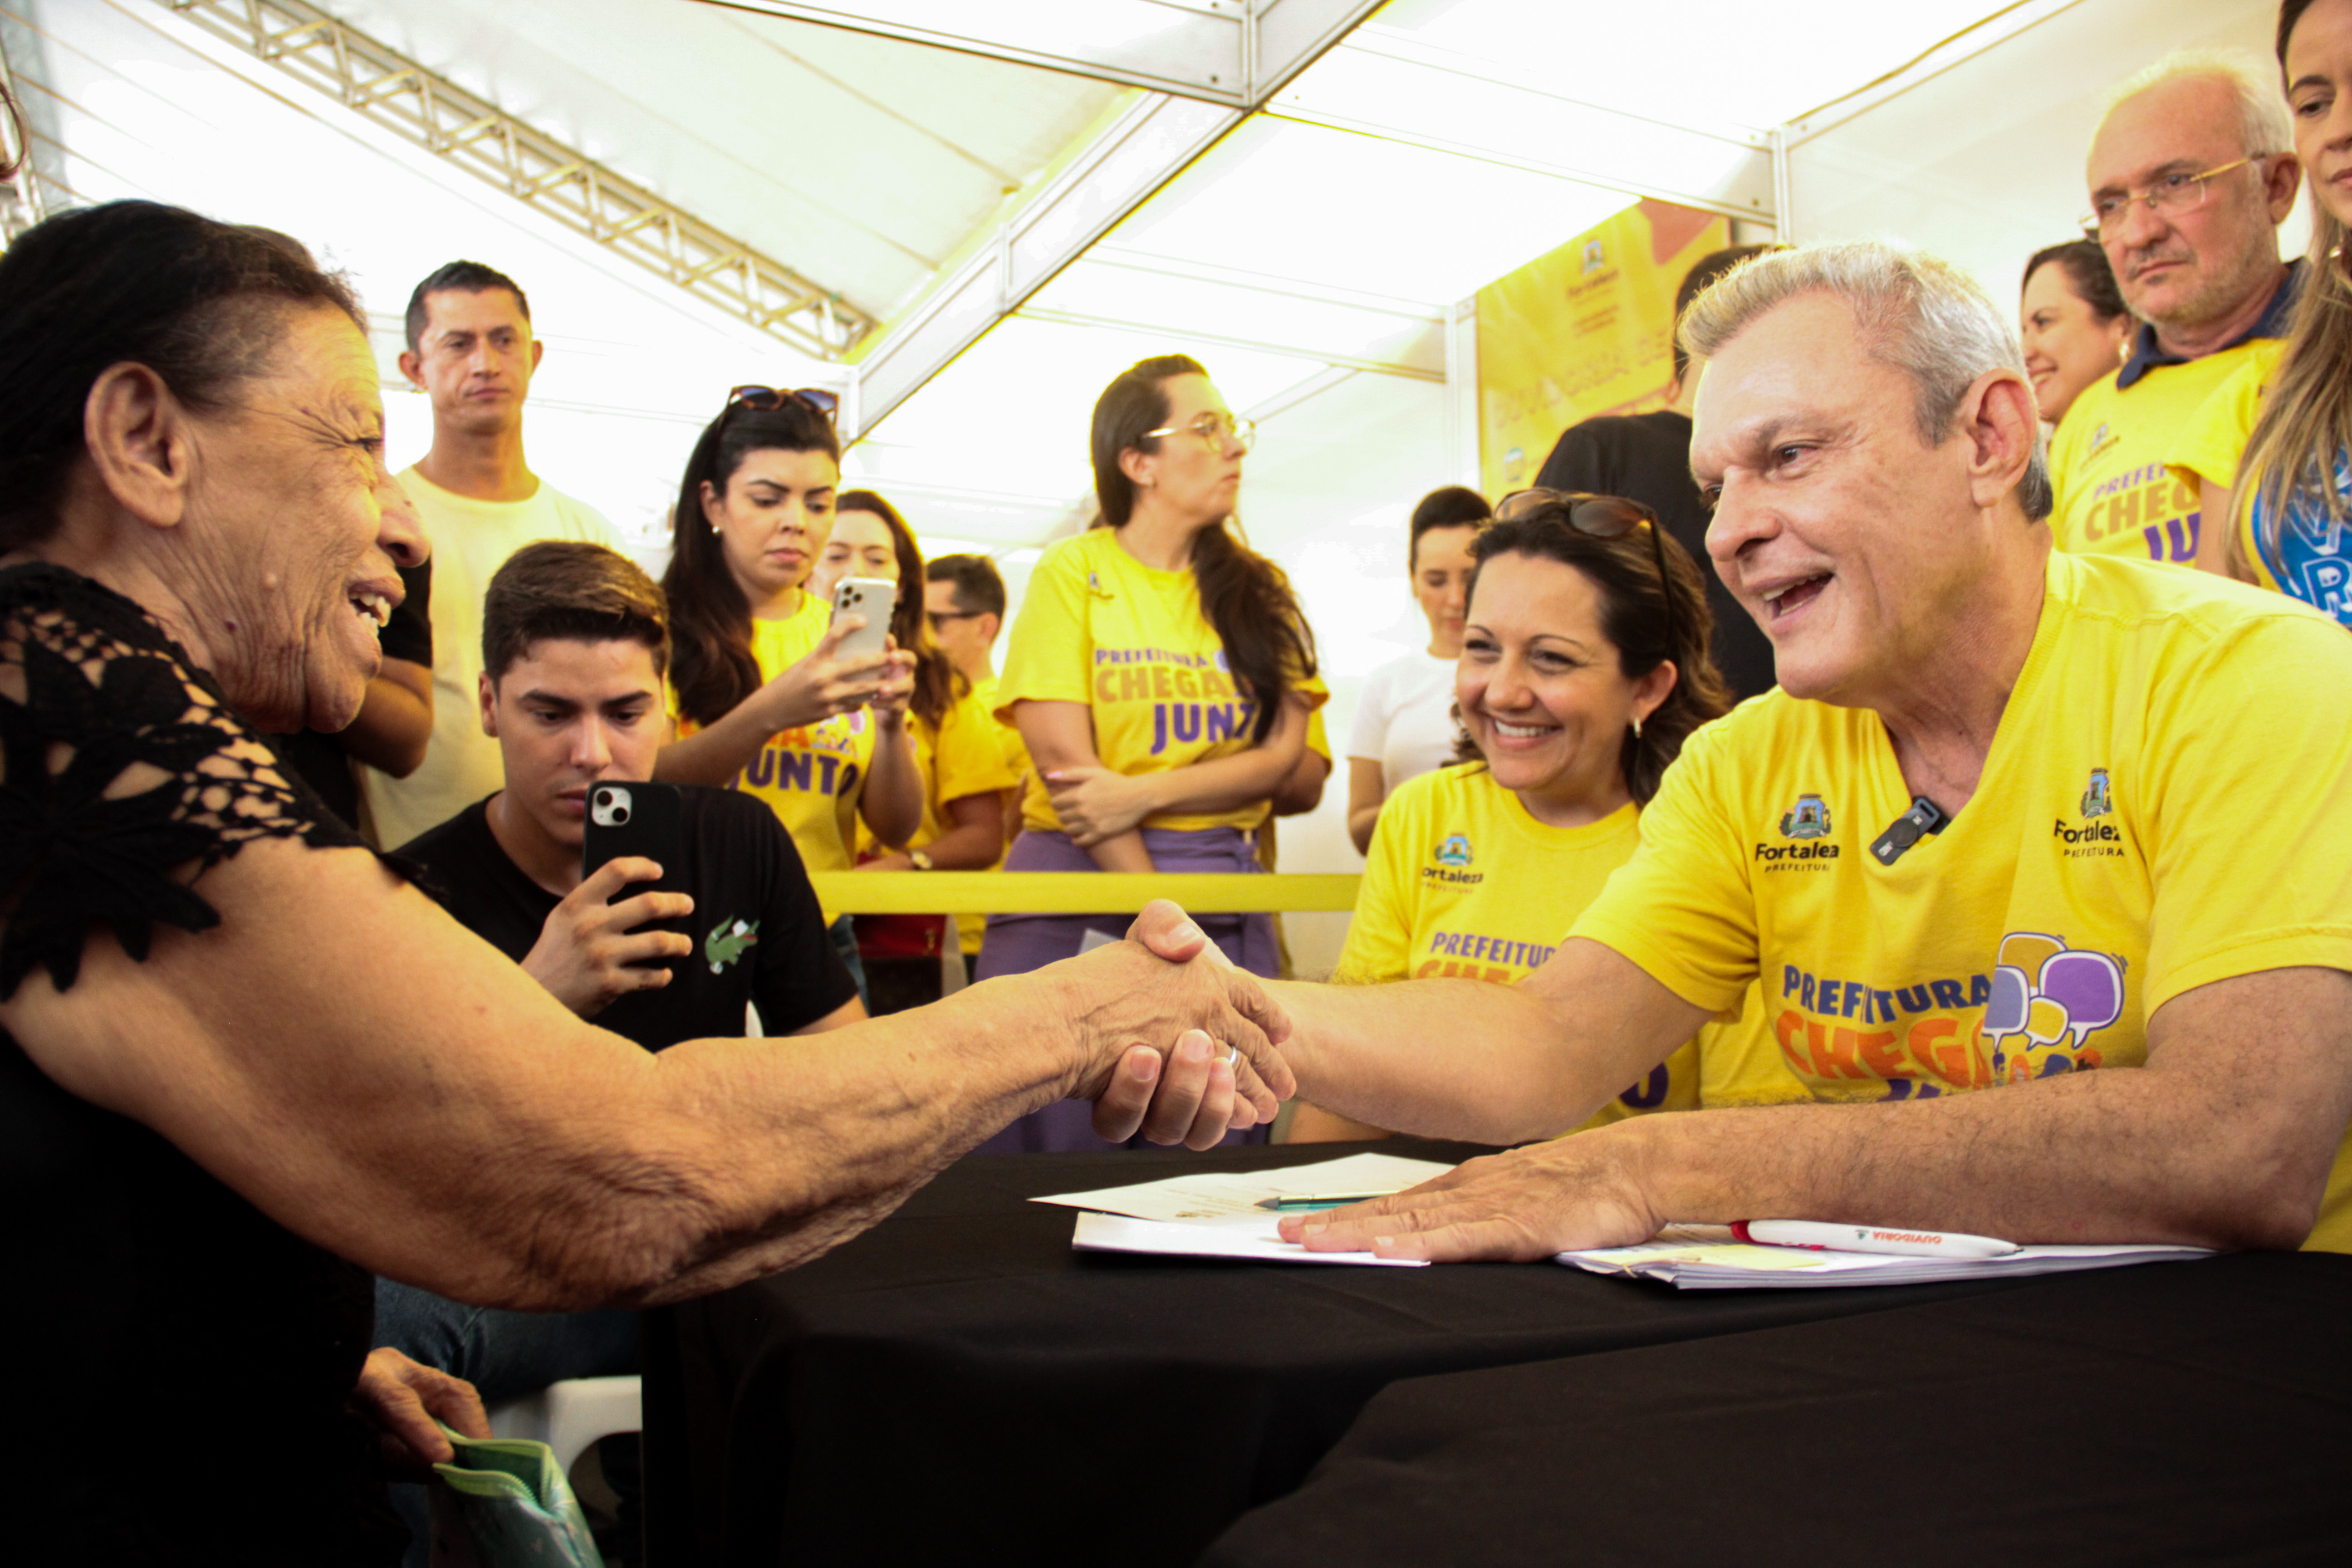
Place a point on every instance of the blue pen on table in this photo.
(1824, 1238)
(1323, 1200)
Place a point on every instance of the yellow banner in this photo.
(1584, 331)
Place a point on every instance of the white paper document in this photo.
(1117, 1233)
(1214, 1213)
(1709, 1258)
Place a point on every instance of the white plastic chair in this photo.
(567, 1416)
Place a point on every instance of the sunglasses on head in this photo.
(1600, 517)
(766, 399)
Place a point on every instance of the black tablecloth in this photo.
(2167, 1413)
(958, 1385)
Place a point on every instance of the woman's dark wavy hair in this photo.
(199, 302)
(1633, 616)
(712, 665)
(2089, 276)
(1246, 598)
(937, 683)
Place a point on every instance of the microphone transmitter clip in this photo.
(1923, 818)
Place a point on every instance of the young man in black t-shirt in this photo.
(576, 648)
(575, 645)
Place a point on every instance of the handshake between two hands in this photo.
(1222, 1070)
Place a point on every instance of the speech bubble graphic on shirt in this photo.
(2050, 994)
(2089, 985)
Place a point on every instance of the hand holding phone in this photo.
(873, 598)
(596, 947)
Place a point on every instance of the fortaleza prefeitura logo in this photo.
(1454, 851)
(2091, 838)
(1809, 818)
(1805, 822)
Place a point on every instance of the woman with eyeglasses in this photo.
(2271, 450)
(761, 702)
(1584, 665)
(958, 757)
(1162, 676)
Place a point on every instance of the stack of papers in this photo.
(1708, 1258)
(1215, 1214)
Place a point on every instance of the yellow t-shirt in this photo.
(970, 929)
(2107, 460)
(810, 777)
(1098, 626)
(2306, 553)
(1461, 882)
(962, 757)
(2152, 817)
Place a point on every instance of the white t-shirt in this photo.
(1405, 720)
(471, 539)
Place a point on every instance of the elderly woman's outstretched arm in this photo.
(382, 1082)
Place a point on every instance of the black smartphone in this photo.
(635, 819)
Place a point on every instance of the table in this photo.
(2166, 1413)
(958, 1385)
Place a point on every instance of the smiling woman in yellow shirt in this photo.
(957, 755)
(1582, 672)
(1161, 677)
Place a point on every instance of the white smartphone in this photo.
(873, 597)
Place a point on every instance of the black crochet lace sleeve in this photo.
(124, 776)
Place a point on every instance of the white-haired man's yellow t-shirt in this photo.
(2157, 813)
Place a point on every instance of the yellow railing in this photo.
(1073, 892)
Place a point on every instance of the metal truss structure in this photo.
(396, 92)
(1208, 65)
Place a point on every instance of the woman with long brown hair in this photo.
(1162, 676)
(760, 700)
(2277, 516)
(957, 756)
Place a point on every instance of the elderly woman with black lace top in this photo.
(242, 1064)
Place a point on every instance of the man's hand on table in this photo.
(1220, 1073)
(1517, 1207)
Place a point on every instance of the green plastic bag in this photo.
(508, 1504)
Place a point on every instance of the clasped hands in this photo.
(1521, 1205)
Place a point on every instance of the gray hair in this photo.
(1922, 315)
(2263, 127)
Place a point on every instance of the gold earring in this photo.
(1637, 726)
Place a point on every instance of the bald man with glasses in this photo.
(2191, 177)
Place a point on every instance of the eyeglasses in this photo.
(766, 399)
(936, 617)
(1215, 430)
(2169, 196)
(1600, 516)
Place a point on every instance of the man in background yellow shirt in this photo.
(964, 597)
(2191, 177)
(2039, 878)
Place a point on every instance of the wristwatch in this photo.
(922, 861)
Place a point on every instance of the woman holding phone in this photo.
(1162, 676)
(957, 755)
(764, 701)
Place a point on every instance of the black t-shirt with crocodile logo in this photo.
(759, 936)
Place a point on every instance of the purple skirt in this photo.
(1016, 944)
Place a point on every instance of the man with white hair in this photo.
(2043, 885)
(2191, 175)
